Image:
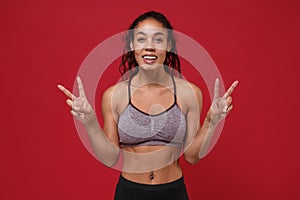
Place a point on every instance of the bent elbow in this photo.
(109, 160)
(193, 160)
(110, 163)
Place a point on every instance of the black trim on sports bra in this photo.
(129, 99)
(174, 85)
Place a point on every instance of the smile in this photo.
(149, 57)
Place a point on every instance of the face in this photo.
(150, 43)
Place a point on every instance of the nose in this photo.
(149, 46)
(149, 49)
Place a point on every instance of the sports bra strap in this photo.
(174, 85)
(129, 90)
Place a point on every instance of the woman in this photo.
(152, 116)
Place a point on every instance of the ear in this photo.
(131, 46)
(169, 47)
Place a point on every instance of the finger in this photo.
(229, 109)
(228, 100)
(225, 109)
(216, 90)
(75, 114)
(80, 87)
(230, 90)
(69, 102)
(67, 92)
(79, 105)
(80, 110)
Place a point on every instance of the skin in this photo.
(155, 85)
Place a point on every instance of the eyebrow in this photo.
(142, 33)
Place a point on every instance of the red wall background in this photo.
(43, 43)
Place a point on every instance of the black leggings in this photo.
(129, 190)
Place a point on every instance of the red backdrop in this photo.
(44, 42)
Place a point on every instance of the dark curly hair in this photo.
(129, 64)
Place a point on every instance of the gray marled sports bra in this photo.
(137, 128)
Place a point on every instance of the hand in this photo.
(220, 106)
(80, 107)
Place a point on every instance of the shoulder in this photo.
(116, 89)
(114, 97)
(187, 88)
(188, 94)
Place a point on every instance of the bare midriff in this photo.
(151, 164)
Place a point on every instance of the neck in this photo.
(158, 75)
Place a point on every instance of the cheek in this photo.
(138, 55)
(162, 54)
(137, 46)
(137, 52)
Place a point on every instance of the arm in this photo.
(219, 109)
(104, 142)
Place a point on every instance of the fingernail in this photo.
(75, 108)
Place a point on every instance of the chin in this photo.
(150, 67)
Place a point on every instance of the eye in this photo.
(158, 40)
(141, 40)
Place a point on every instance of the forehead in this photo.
(150, 27)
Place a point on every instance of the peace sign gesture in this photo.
(221, 106)
(80, 107)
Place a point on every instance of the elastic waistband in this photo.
(177, 183)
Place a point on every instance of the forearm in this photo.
(207, 130)
(201, 141)
(104, 149)
(218, 110)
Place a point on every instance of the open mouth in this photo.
(149, 57)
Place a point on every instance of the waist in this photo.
(164, 175)
(145, 186)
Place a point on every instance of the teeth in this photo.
(150, 57)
